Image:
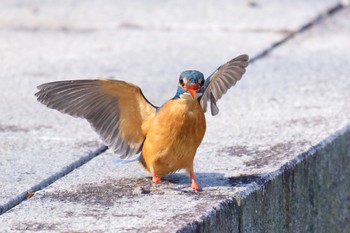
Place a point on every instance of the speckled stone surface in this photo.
(277, 121)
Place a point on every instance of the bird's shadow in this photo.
(111, 191)
(214, 179)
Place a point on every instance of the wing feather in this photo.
(221, 80)
(116, 110)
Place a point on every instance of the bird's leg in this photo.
(194, 185)
(155, 178)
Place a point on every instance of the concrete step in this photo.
(274, 159)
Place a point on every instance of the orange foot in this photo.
(194, 185)
(155, 178)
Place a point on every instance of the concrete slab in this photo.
(280, 109)
(42, 42)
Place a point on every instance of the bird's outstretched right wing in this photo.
(117, 110)
(221, 80)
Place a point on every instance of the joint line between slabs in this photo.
(319, 18)
(51, 179)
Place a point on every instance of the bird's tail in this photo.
(125, 161)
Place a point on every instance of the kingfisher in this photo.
(163, 139)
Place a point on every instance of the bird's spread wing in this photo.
(117, 110)
(221, 80)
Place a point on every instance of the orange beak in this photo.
(193, 90)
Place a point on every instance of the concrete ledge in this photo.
(308, 194)
(261, 164)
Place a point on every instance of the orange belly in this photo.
(173, 137)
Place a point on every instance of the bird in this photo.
(163, 139)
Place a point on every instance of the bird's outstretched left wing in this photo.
(117, 110)
(221, 80)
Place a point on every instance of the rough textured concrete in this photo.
(252, 162)
(308, 194)
(69, 39)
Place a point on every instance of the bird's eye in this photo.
(181, 81)
(201, 82)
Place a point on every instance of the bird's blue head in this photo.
(191, 85)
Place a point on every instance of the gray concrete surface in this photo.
(269, 148)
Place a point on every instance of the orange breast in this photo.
(173, 137)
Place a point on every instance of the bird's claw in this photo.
(155, 179)
(194, 186)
